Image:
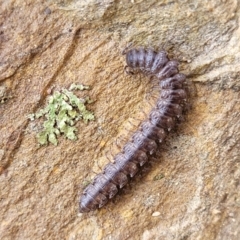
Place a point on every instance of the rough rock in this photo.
(193, 184)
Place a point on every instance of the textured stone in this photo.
(47, 45)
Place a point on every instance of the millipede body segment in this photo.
(151, 132)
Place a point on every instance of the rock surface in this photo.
(192, 188)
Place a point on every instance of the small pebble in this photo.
(216, 211)
(47, 11)
(156, 214)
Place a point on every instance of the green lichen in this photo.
(63, 110)
(78, 87)
(158, 177)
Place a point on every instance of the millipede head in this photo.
(132, 58)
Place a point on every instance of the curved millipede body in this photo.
(151, 132)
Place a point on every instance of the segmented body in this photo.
(152, 131)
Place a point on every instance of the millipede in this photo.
(152, 131)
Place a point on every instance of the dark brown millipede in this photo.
(151, 132)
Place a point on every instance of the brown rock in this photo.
(51, 44)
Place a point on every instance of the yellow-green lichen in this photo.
(158, 177)
(63, 110)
